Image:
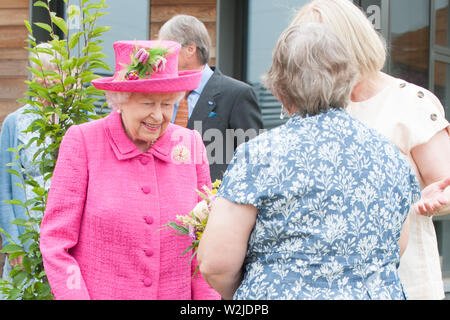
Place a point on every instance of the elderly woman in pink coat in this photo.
(119, 179)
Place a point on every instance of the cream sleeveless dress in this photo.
(408, 116)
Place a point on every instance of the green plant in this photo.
(66, 97)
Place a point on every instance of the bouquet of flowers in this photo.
(194, 223)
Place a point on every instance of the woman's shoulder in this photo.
(12, 118)
(87, 131)
(178, 133)
(91, 125)
(414, 98)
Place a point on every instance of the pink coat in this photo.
(100, 235)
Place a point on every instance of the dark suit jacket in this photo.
(224, 106)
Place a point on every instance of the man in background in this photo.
(223, 110)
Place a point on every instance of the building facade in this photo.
(244, 33)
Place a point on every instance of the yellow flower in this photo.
(217, 184)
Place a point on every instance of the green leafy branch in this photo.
(59, 99)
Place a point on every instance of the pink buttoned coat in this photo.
(101, 234)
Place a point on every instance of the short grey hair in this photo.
(188, 30)
(45, 58)
(311, 70)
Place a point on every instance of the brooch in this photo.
(181, 154)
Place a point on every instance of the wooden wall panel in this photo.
(22, 4)
(13, 37)
(13, 17)
(12, 88)
(13, 68)
(205, 13)
(13, 56)
(204, 10)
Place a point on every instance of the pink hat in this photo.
(148, 66)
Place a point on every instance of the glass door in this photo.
(440, 85)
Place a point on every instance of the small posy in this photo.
(194, 223)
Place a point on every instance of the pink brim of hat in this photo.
(186, 81)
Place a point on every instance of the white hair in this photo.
(116, 98)
(366, 46)
(311, 70)
(45, 58)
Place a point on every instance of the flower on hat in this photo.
(145, 62)
(132, 75)
(160, 64)
(142, 56)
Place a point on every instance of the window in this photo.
(266, 21)
(409, 40)
(442, 83)
(128, 22)
(440, 52)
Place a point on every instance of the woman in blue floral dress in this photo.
(313, 209)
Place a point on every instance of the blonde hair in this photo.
(365, 45)
(311, 70)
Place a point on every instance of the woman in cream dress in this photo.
(412, 118)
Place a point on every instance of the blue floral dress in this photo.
(332, 196)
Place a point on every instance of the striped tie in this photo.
(182, 113)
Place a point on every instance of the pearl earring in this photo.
(119, 111)
(282, 113)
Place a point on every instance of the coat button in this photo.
(148, 282)
(402, 85)
(146, 189)
(148, 252)
(434, 117)
(149, 219)
(144, 160)
(420, 94)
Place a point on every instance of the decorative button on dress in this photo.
(408, 116)
(332, 196)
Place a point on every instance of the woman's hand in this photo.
(434, 198)
(223, 246)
